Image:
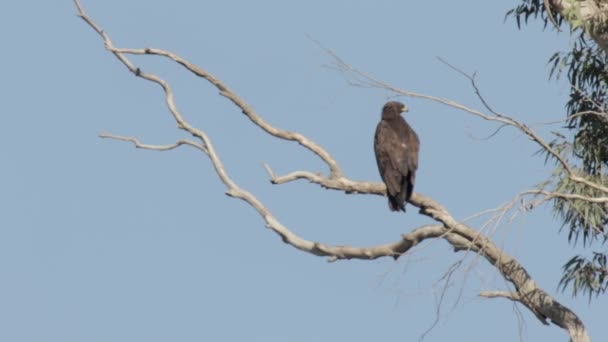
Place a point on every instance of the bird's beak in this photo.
(404, 109)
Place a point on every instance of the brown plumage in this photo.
(396, 146)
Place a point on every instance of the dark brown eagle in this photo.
(396, 146)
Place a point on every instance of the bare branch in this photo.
(551, 195)
(602, 115)
(491, 135)
(333, 252)
(459, 235)
(226, 92)
(503, 294)
(153, 147)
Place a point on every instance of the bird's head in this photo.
(393, 109)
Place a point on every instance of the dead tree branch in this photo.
(138, 144)
(459, 235)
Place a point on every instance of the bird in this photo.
(396, 147)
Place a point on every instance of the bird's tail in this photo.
(395, 205)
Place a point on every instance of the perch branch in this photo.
(459, 235)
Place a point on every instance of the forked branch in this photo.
(459, 235)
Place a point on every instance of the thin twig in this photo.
(138, 144)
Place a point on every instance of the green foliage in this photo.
(586, 67)
(586, 276)
(583, 218)
(534, 9)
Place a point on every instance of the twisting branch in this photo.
(459, 235)
(205, 145)
(334, 168)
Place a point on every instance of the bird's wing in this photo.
(413, 147)
(408, 157)
(390, 157)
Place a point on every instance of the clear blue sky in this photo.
(103, 242)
